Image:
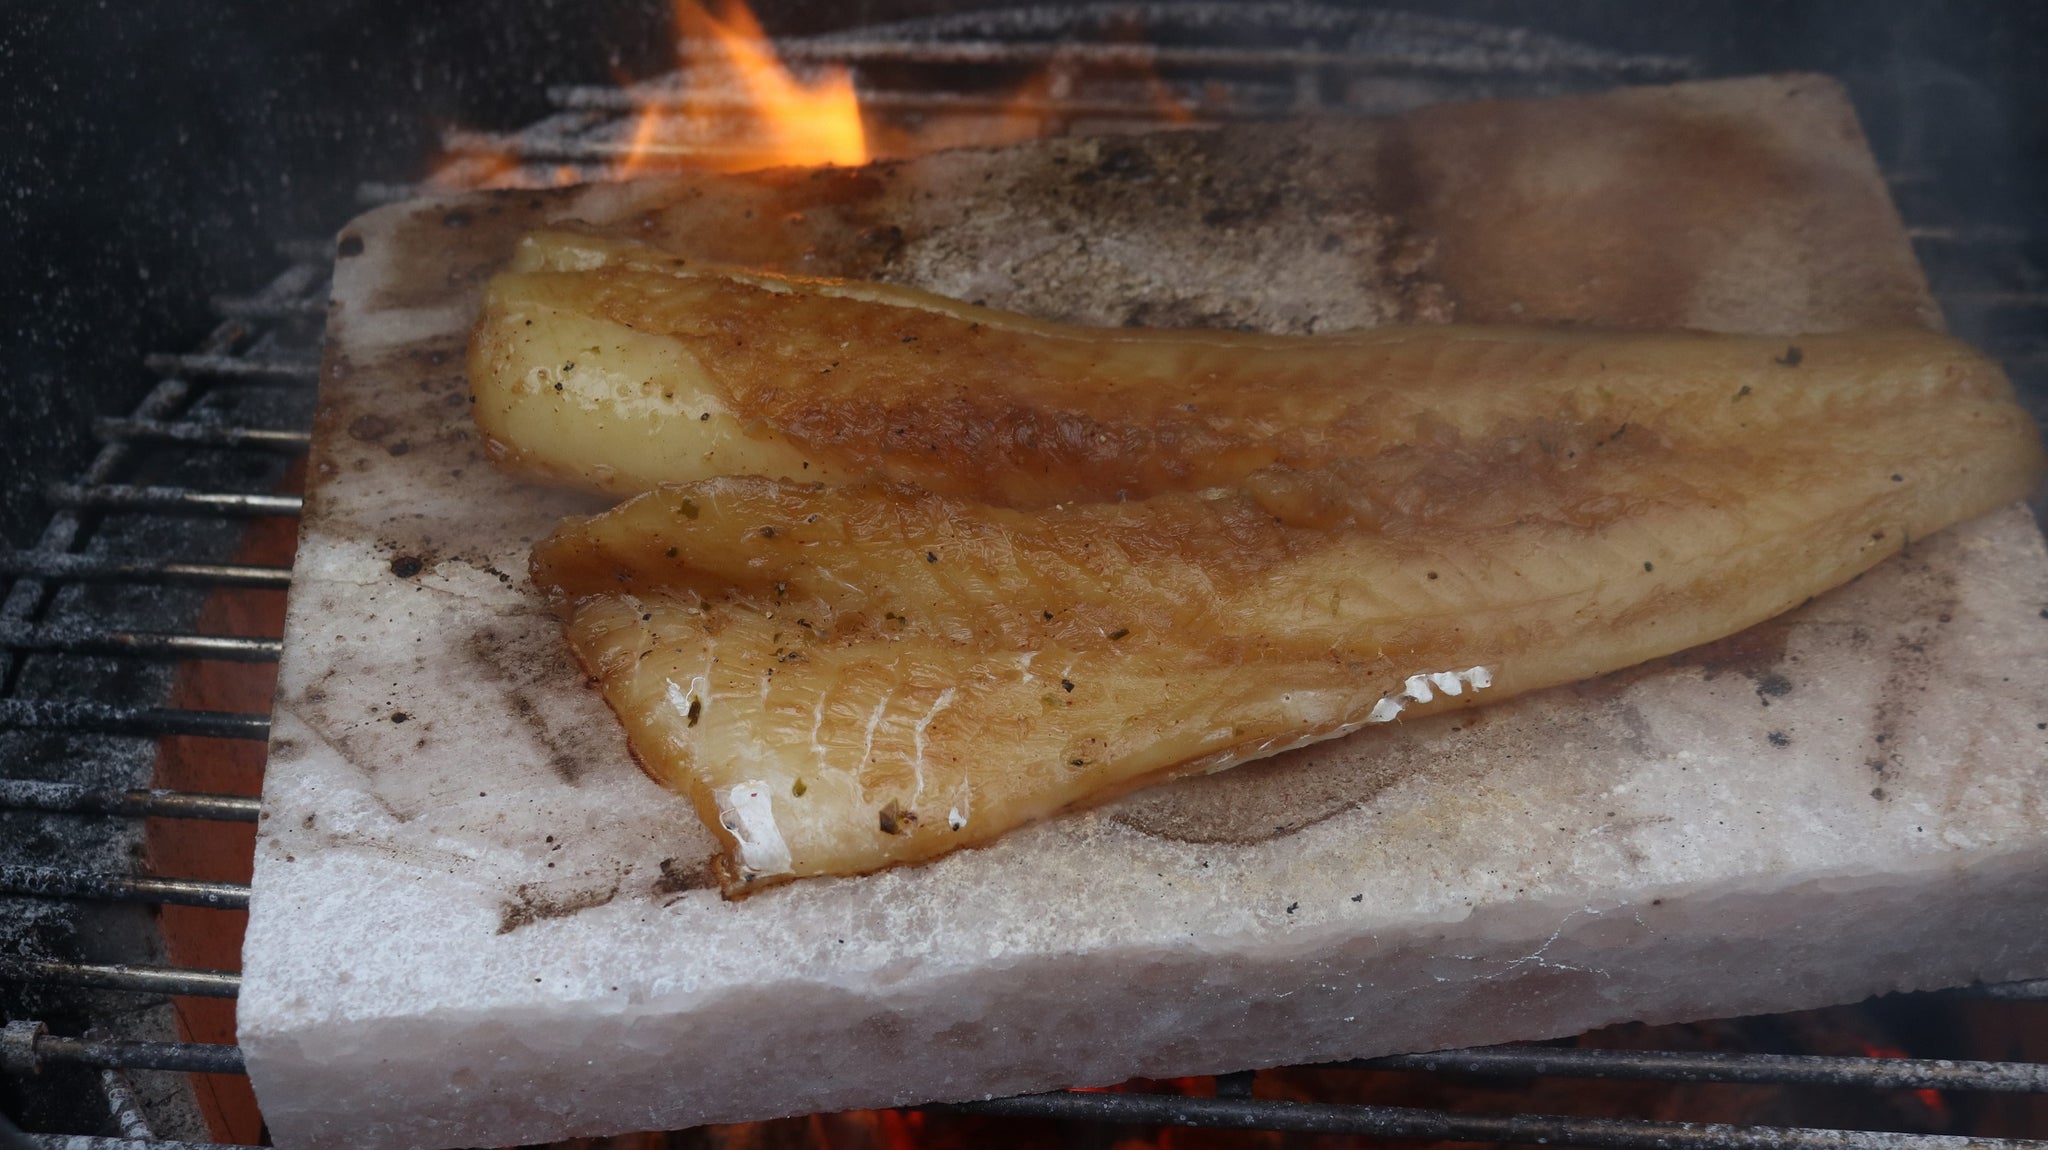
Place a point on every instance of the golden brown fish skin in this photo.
(892, 673)
(842, 382)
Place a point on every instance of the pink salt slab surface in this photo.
(475, 922)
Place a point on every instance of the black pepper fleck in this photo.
(894, 820)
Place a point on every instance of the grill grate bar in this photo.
(26, 596)
(265, 307)
(99, 569)
(1403, 1122)
(1966, 234)
(1402, 61)
(189, 434)
(115, 1054)
(877, 100)
(72, 799)
(295, 293)
(99, 1142)
(74, 637)
(49, 882)
(2033, 990)
(548, 149)
(118, 976)
(307, 250)
(1995, 297)
(1683, 1066)
(108, 718)
(169, 500)
(194, 365)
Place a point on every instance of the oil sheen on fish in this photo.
(616, 367)
(848, 677)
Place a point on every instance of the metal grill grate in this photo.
(95, 623)
(136, 542)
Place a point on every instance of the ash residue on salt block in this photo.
(475, 922)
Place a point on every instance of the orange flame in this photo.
(734, 106)
(781, 119)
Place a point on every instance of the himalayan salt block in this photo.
(475, 922)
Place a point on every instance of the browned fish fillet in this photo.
(843, 678)
(615, 367)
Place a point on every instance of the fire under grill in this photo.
(148, 550)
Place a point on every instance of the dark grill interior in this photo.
(133, 574)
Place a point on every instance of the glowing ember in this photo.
(1936, 1105)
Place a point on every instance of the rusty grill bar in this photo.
(125, 977)
(69, 799)
(114, 719)
(271, 339)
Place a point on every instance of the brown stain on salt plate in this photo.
(1540, 217)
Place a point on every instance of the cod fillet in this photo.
(845, 677)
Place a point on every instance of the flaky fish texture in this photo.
(848, 677)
